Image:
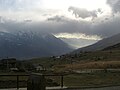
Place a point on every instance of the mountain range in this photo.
(102, 44)
(30, 44)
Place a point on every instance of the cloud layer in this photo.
(115, 5)
(61, 24)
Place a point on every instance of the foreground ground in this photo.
(103, 88)
(94, 79)
(105, 67)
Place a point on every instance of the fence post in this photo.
(62, 81)
(36, 82)
(17, 82)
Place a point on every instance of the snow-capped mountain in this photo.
(30, 44)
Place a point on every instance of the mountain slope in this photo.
(114, 47)
(29, 44)
(101, 44)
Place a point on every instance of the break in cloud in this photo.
(18, 4)
(77, 36)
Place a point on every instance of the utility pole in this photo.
(7, 64)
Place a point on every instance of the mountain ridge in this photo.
(106, 42)
(114, 47)
(31, 44)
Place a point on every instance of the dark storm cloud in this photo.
(105, 29)
(108, 28)
(83, 13)
(115, 5)
(58, 18)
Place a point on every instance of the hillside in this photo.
(29, 45)
(104, 59)
(114, 47)
(101, 44)
(109, 57)
(84, 60)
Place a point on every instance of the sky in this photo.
(77, 22)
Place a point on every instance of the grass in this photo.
(11, 81)
(87, 60)
(93, 79)
(72, 80)
(90, 79)
(82, 57)
(7, 78)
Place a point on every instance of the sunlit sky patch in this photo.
(78, 36)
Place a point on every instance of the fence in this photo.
(92, 79)
(17, 79)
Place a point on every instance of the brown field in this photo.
(89, 65)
